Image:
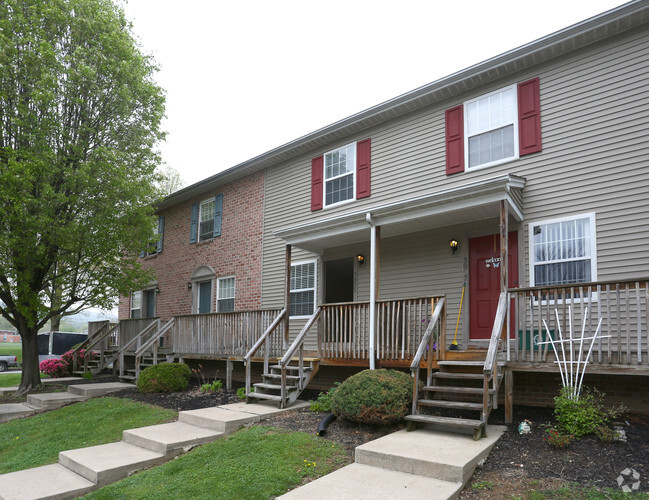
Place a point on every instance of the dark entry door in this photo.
(149, 303)
(484, 277)
(339, 281)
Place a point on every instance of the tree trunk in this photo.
(31, 377)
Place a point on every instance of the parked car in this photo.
(7, 362)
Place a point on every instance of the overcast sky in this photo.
(244, 77)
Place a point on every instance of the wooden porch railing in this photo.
(271, 344)
(496, 345)
(128, 330)
(400, 327)
(220, 334)
(623, 305)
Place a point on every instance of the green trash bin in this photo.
(524, 338)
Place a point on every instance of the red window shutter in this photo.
(455, 140)
(316, 182)
(363, 160)
(529, 117)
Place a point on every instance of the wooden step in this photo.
(457, 390)
(260, 395)
(127, 378)
(278, 376)
(459, 375)
(291, 367)
(456, 405)
(273, 387)
(479, 428)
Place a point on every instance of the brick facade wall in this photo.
(236, 252)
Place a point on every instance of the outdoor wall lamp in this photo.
(360, 259)
(157, 290)
(453, 244)
(189, 285)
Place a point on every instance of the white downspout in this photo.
(368, 219)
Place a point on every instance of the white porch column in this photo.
(373, 289)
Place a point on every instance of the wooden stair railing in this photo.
(153, 344)
(93, 343)
(460, 386)
(137, 340)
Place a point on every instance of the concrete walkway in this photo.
(425, 463)
(83, 470)
(38, 403)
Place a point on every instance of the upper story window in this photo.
(206, 219)
(158, 233)
(491, 129)
(302, 289)
(339, 173)
(225, 294)
(563, 251)
(494, 128)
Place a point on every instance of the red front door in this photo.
(484, 280)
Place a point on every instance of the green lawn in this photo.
(254, 463)
(9, 379)
(34, 441)
(7, 349)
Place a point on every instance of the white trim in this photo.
(465, 107)
(324, 177)
(131, 308)
(593, 243)
(315, 285)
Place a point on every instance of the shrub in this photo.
(165, 377)
(374, 397)
(323, 402)
(582, 416)
(241, 392)
(55, 368)
(557, 439)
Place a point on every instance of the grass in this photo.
(254, 463)
(10, 379)
(9, 349)
(37, 440)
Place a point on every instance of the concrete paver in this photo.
(264, 409)
(170, 439)
(218, 418)
(49, 481)
(52, 400)
(364, 482)
(11, 411)
(107, 463)
(100, 389)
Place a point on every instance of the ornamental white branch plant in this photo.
(572, 371)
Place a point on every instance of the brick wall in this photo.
(236, 252)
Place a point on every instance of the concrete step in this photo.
(429, 453)
(11, 411)
(107, 463)
(52, 400)
(364, 482)
(101, 389)
(217, 419)
(170, 439)
(49, 481)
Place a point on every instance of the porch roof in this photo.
(471, 202)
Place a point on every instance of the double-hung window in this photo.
(225, 294)
(206, 218)
(491, 128)
(302, 289)
(339, 174)
(136, 305)
(563, 251)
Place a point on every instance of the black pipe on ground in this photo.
(324, 423)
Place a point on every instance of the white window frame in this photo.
(200, 219)
(314, 289)
(219, 290)
(139, 308)
(514, 89)
(325, 180)
(593, 246)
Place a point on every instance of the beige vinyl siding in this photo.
(595, 158)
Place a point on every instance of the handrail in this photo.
(143, 348)
(426, 337)
(82, 345)
(99, 338)
(496, 333)
(96, 340)
(585, 284)
(299, 340)
(263, 338)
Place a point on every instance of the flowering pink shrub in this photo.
(54, 367)
(63, 367)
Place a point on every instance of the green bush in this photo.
(374, 397)
(215, 386)
(323, 402)
(165, 377)
(584, 415)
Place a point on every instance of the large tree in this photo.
(79, 125)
